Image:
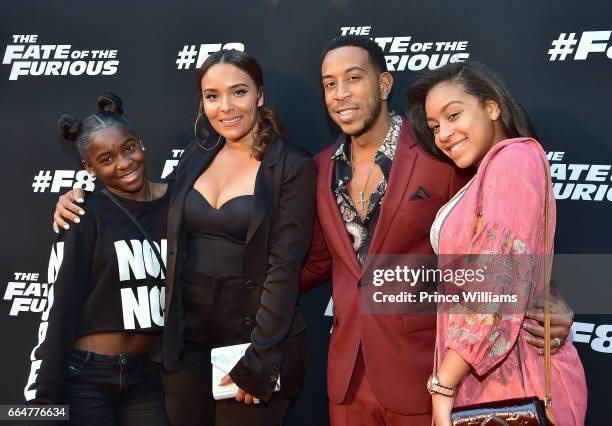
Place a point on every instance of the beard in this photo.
(373, 113)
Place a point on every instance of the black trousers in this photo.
(107, 390)
(189, 399)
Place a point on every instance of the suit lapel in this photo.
(262, 199)
(401, 170)
(331, 212)
(265, 186)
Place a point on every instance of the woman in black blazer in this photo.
(239, 227)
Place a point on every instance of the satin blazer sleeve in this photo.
(290, 235)
(510, 244)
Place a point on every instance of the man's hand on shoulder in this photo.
(561, 320)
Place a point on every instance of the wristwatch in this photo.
(434, 386)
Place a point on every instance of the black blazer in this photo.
(277, 242)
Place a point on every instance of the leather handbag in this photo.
(523, 411)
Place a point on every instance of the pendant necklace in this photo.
(362, 200)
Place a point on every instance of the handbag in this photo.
(223, 359)
(522, 411)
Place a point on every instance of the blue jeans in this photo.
(114, 390)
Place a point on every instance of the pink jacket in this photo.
(508, 191)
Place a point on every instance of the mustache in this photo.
(344, 106)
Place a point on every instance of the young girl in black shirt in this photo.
(106, 302)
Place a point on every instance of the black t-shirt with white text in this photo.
(104, 277)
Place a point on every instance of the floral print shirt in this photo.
(361, 231)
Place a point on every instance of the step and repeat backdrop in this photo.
(58, 57)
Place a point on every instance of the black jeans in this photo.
(114, 390)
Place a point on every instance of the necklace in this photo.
(362, 200)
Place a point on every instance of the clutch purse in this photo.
(522, 411)
(223, 359)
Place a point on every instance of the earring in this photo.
(195, 134)
(256, 119)
(211, 148)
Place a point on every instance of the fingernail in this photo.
(524, 325)
(81, 212)
(541, 351)
(56, 230)
(80, 200)
(77, 220)
(66, 226)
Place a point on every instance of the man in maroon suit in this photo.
(378, 192)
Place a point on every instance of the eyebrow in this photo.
(446, 105)
(449, 103)
(355, 68)
(122, 145)
(233, 86)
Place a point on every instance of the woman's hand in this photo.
(66, 209)
(450, 373)
(442, 407)
(241, 396)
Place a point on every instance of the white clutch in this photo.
(223, 359)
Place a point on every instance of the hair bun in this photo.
(109, 102)
(69, 127)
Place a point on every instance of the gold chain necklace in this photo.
(362, 200)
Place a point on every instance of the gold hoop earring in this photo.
(212, 147)
(195, 135)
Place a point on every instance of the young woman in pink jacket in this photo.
(465, 113)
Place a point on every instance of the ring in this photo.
(557, 341)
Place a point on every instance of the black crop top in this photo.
(104, 277)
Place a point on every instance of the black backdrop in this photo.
(564, 85)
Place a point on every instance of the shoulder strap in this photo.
(139, 226)
(547, 255)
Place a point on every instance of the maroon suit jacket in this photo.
(398, 350)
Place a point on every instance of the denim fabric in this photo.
(123, 389)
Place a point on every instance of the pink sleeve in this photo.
(483, 332)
